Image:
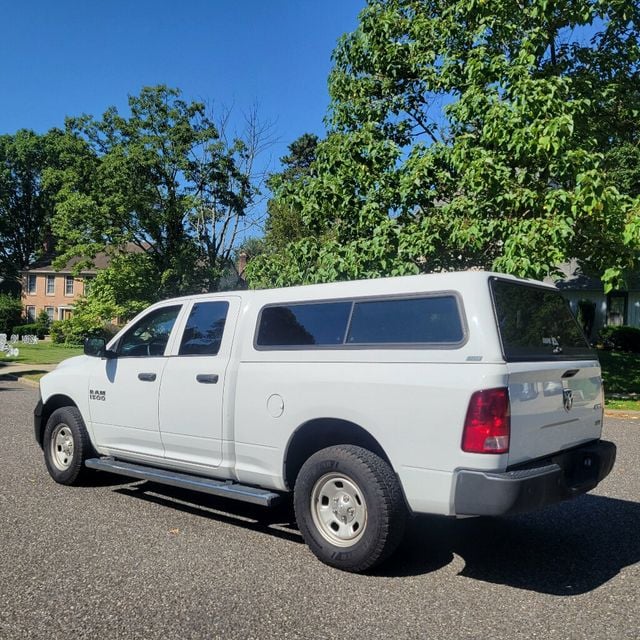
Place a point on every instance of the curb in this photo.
(14, 378)
(622, 413)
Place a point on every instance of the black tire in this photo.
(66, 463)
(349, 507)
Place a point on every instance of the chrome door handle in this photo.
(207, 378)
(147, 377)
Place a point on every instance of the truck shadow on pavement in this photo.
(278, 521)
(565, 550)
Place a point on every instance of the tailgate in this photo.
(554, 406)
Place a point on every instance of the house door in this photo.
(617, 304)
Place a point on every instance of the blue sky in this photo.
(67, 57)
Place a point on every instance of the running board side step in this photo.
(222, 488)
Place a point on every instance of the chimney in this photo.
(48, 244)
(243, 258)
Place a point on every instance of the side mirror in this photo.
(97, 347)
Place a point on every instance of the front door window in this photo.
(149, 336)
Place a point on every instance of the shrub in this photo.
(31, 329)
(10, 313)
(56, 331)
(64, 331)
(43, 322)
(621, 338)
(72, 331)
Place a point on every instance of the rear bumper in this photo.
(561, 476)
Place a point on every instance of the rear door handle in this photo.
(207, 378)
(147, 377)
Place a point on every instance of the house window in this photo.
(51, 285)
(68, 285)
(50, 312)
(31, 284)
(31, 313)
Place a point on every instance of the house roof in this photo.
(575, 280)
(100, 261)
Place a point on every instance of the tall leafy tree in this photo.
(165, 179)
(284, 223)
(468, 133)
(26, 205)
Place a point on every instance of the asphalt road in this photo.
(137, 560)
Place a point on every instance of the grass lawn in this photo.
(621, 375)
(622, 405)
(34, 377)
(43, 353)
(620, 372)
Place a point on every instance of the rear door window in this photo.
(204, 329)
(536, 323)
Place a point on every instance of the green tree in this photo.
(10, 313)
(165, 179)
(623, 167)
(284, 223)
(112, 297)
(116, 294)
(26, 205)
(471, 133)
(42, 322)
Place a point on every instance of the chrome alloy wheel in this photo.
(338, 509)
(61, 444)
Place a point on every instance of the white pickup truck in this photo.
(457, 394)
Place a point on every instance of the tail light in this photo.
(487, 425)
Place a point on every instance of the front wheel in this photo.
(349, 507)
(66, 446)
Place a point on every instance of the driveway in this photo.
(137, 560)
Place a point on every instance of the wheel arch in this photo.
(54, 402)
(319, 433)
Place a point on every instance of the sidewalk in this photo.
(15, 371)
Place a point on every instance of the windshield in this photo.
(536, 323)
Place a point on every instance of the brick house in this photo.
(54, 291)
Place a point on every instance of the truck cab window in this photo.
(149, 336)
(205, 326)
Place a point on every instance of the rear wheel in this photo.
(66, 446)
(349, 507)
